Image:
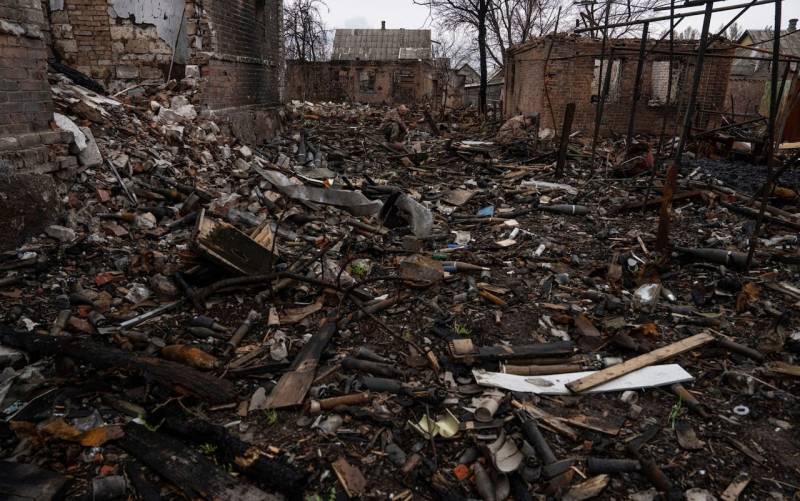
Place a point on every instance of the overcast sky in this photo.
(404, 14)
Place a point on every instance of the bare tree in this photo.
(450, 52)
(305, 35)
(514, 21)
(473, 14)
(734, 32)
(592, 14)
(688, 33)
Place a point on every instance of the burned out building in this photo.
(494, 89)
(232, 49)
(375, 66)
(748, 92)
(543, 75)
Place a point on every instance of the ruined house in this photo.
(494, 89)
(543, 75)
(375, 66)
(748, 92)
(233, 49)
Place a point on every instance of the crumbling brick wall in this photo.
(371, 82)
(746, 97)
(536, 83)
(119, 42)
(26, 107)
(233, 51)
(239, 48)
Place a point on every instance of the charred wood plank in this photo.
(187, 468)
(180, 378)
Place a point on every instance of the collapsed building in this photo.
(232, 50)
(543, 75)
(749, 90)
(373, 66)
(494, 89)
(229, 55)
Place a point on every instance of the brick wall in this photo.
(25, 102)
(116, 42)
(26, 107)
(239, 48)
(569, 77)
(391, 82)
(746, 96)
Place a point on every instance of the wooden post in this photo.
(569, 115)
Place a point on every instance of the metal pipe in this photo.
(698, 72)
(663, 223)
(599, 109)
(637, 84)
(735, 18)
(773, 115)
(666, 18)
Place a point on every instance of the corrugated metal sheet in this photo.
(381, 45)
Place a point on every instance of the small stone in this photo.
(9, 356)
(146, 221)
(192, 71)
(61, 233)
(163, 286)
(137, 293)
(396, 454)
(246, 152)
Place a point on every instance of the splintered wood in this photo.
(654, 357)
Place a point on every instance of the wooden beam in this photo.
(180, 378)
(187, 468)
(292, 387)
(634, 364)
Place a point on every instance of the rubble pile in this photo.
(327, 315)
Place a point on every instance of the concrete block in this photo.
(126, 72)
(90, 156)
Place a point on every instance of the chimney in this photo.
(383, 24)
(793, 24)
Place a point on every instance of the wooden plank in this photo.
(736, 487)
(293, 386)
(26, 482)
(640, 362)
(556, 384)
(229, 247)
(784, 369)
(187, 468)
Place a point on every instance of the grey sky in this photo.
(404, 14)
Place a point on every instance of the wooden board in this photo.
(293, 386)
(736, 488)
(187, 468)
(229, 247)
(656, 356)
(557, 384)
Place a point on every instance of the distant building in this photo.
(749, 89)
(376, 66)
(470, 75)
(494, 89)
(545, 74)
